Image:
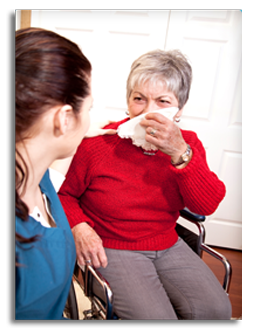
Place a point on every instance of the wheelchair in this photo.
(99, 292)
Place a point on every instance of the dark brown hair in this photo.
(50, 70)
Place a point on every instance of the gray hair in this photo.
(169, 67)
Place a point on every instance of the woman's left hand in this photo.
(164, 134)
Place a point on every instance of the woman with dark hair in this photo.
(53, 98)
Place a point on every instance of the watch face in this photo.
(185, 156)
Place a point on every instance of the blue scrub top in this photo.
(44, 274)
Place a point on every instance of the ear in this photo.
(62, 118)
(178, 115)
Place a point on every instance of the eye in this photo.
(138, 99)
(164, 101)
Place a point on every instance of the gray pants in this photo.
(164, 285)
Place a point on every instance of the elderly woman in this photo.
(123, 202)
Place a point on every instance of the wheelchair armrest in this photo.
(226, 263)
(194, 217)
(201, 246)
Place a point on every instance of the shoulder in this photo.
(116, 124)
(189, 135)
(191, 138)
(92, 145)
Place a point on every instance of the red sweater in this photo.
(132, 200)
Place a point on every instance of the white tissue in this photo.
(134, 131)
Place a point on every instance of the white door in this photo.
(112, 40)
(212, 41)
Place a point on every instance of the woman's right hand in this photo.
(89, 246)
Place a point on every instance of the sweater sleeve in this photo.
(200, 188)
(75, 184)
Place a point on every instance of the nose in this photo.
(150, 106)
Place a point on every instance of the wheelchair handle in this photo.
(187, 214)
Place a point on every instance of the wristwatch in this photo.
(183, 158)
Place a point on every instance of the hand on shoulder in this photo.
(96, 129)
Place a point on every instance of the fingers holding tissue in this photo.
(149, 130)
(164, 134)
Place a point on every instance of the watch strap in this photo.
(184, 157)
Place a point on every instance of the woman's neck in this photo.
(37, 159)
